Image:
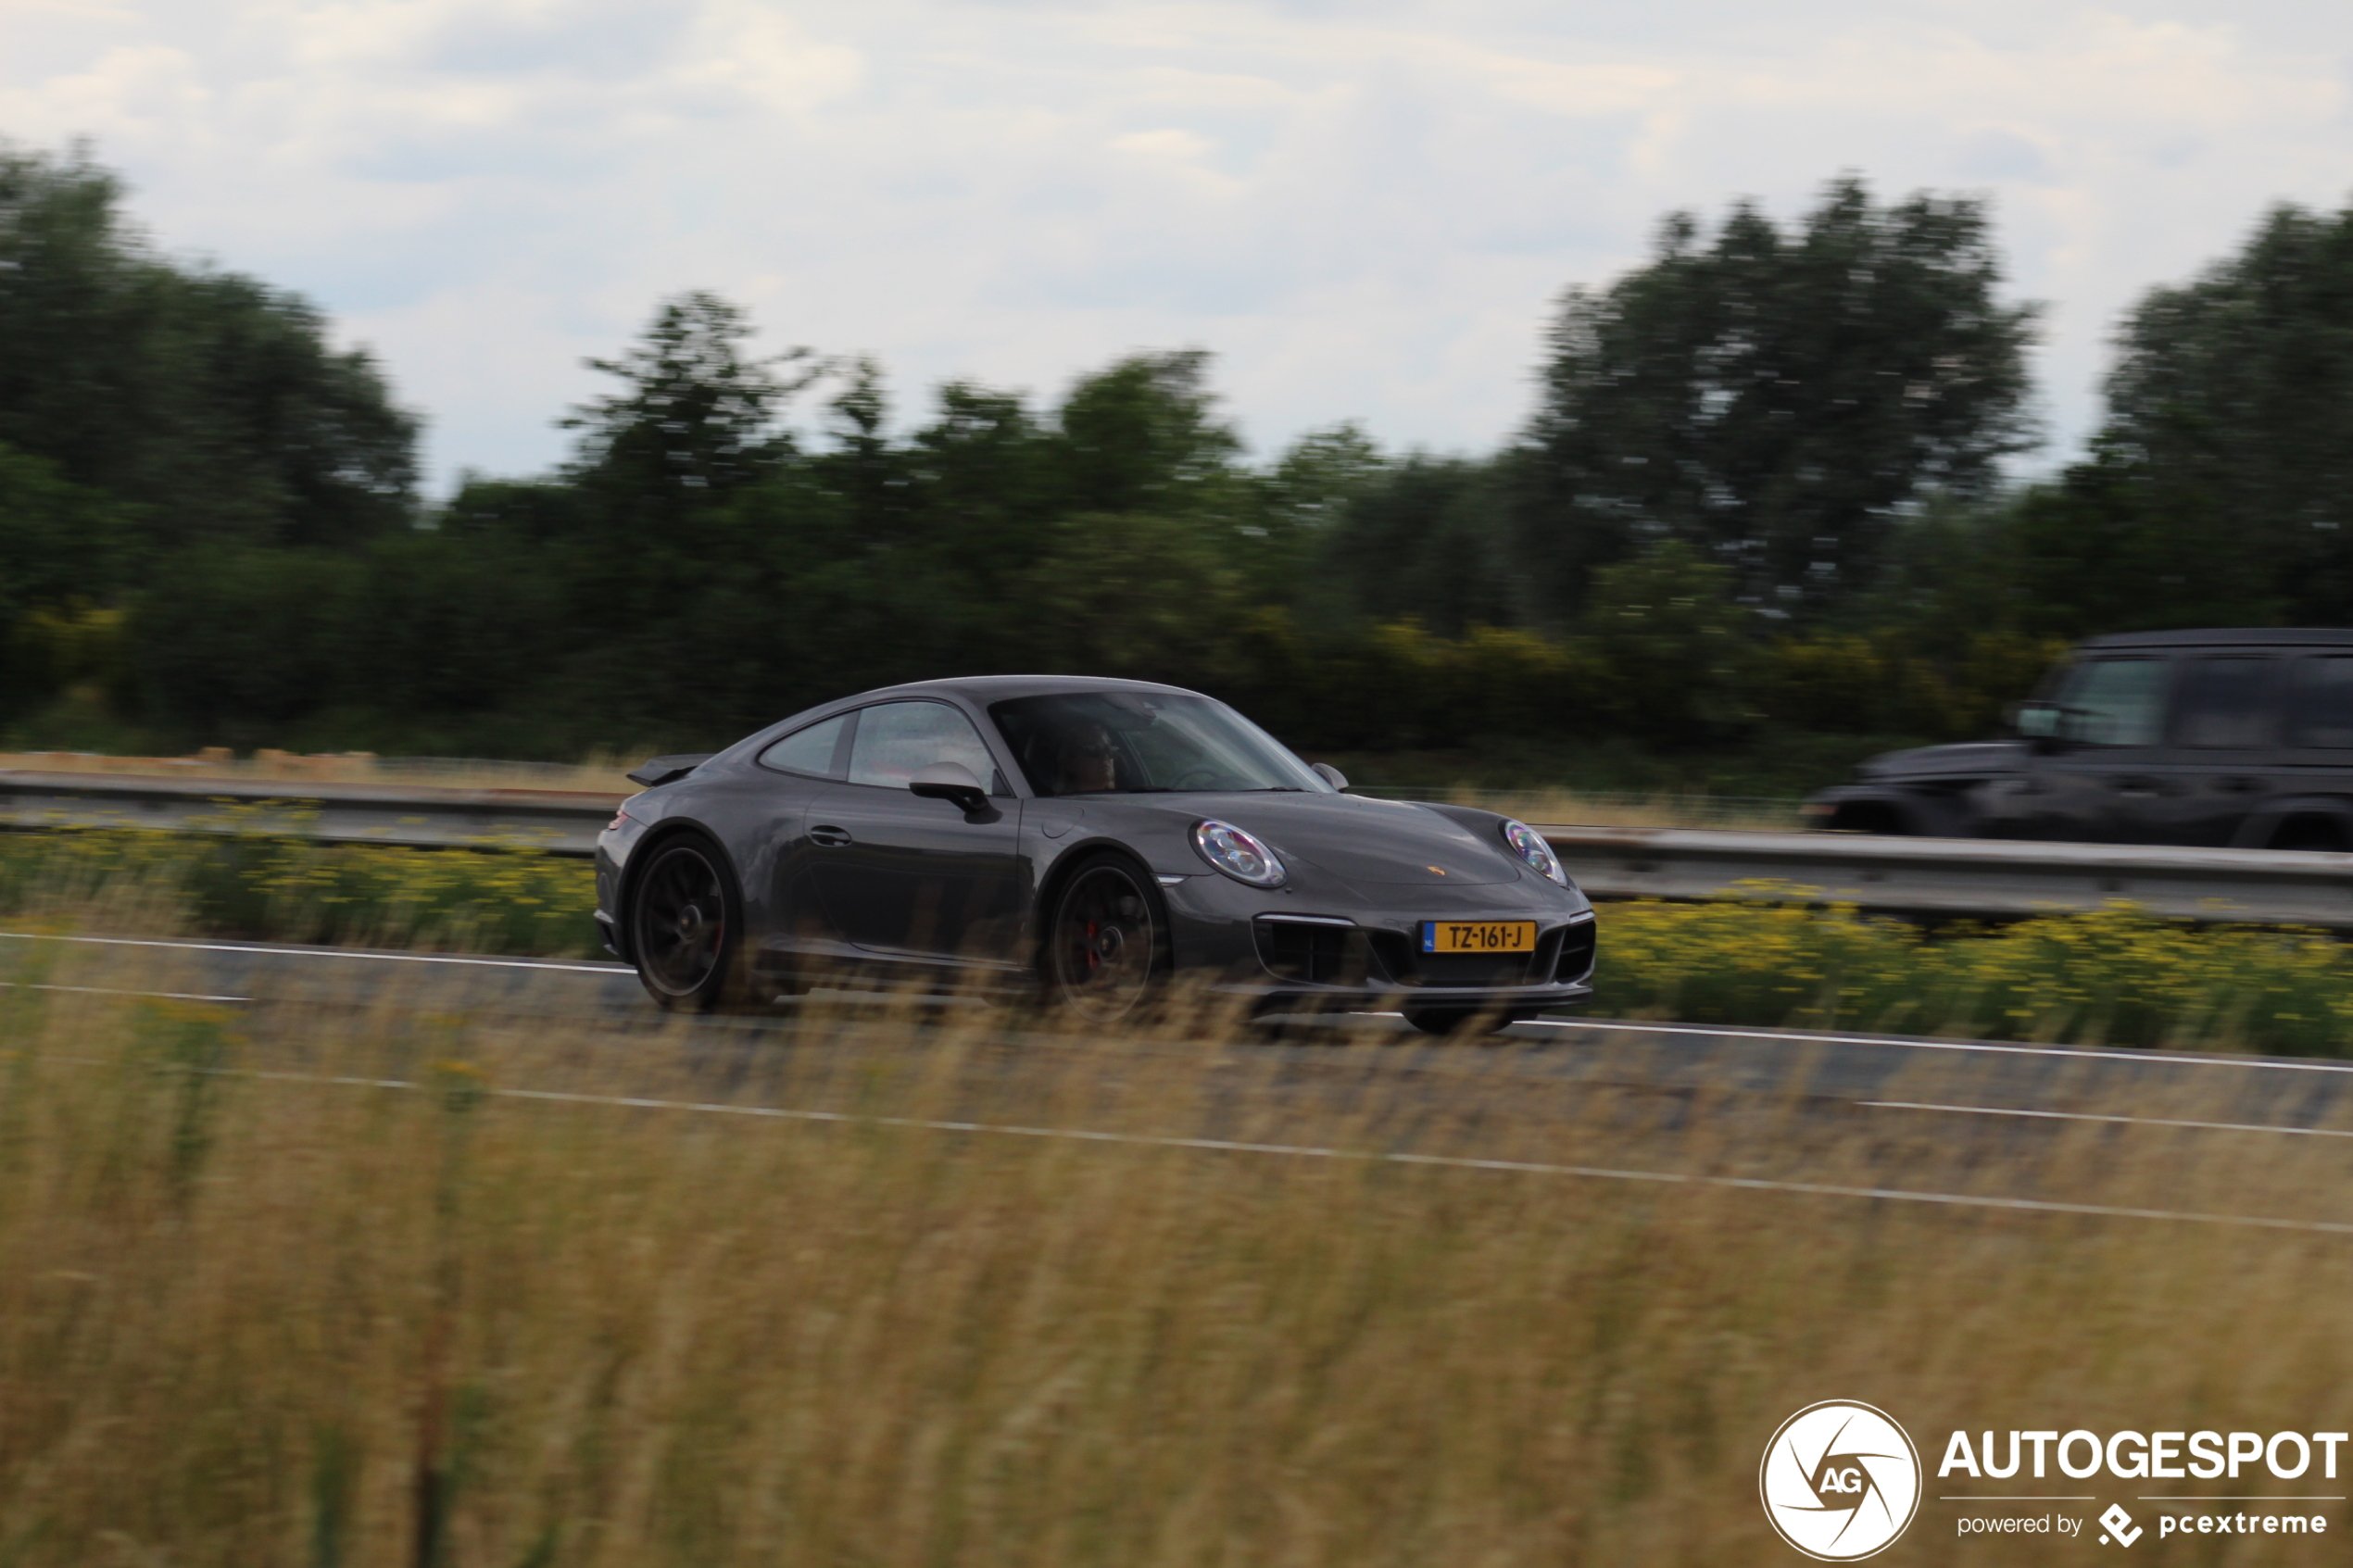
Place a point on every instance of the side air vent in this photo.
(1576, 961)
(1313, 952)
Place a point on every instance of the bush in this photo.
(268, 887)
(2116, 977)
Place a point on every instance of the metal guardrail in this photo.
(1963, 876)
(1927, 876)
(559, 822)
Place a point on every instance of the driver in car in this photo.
(1086, 761)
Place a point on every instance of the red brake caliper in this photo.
(1094, 959)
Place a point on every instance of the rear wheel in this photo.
(1103, 942)
(686, 926)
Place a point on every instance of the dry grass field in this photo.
(359, 1291)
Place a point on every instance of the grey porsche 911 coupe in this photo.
(1083, 840)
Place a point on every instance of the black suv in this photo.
(2238, 738)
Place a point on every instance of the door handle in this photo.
(2141, 788)
(832, 838)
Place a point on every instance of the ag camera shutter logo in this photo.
(1840, 1480)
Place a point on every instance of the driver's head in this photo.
(1087, 760)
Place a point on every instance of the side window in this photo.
(2115, 702)
(2322, 712)
(898, 740)
(808, 751)
(2225, 701)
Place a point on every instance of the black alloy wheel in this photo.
(1102, 947)
(1458, 1019)
(684, 926)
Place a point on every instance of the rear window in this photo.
(808, 751)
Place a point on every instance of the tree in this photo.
(1422, 543)
(211, 402)
(1775, 400)
(696, 418)
(1139, 436)
(2216, 492)
(62, 553)
(1673, 643)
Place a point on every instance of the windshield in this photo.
(1098, 743)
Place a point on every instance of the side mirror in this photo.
(1330, 774)
(954, 783)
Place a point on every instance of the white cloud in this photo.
(1365, 209)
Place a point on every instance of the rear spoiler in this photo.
(662, 770)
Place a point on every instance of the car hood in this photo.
(1975, 761)
(1363, 841)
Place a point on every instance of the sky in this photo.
(1364, 210)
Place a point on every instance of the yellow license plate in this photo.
(1478, 937)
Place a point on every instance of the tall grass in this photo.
(247, 1319)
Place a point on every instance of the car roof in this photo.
(985, 689)
(2259, 636)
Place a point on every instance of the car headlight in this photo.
(1529, 846)
(1239, 854)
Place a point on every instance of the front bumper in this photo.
(1286, 953)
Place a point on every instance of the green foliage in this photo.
(63, 547)
(267, 887)
(1878, 682)
(1423, 542)
(1775, 399)
(694, 418)
(1756, 509)
(1667, 632)
(209, 402)
(2115, 978)
(2216, 494)
(1142, 436)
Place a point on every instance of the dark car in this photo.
(2238, 738)
(1083, 839)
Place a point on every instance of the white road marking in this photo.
(2087, 1116)
(325, 953)
(1799, 1037)
(105, 991)
(1306, 1151)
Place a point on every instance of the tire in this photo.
(1104, 951)
(686, 926)
(1459, 1020)
(2309, 837)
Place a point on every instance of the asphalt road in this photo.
(1887, 1118)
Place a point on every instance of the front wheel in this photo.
(1104, 941)
(685, 927)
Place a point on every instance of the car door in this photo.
(799, 767)
(910, 879)
(2225, 748)
(2098, 778)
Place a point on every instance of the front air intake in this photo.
(1312, 952)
